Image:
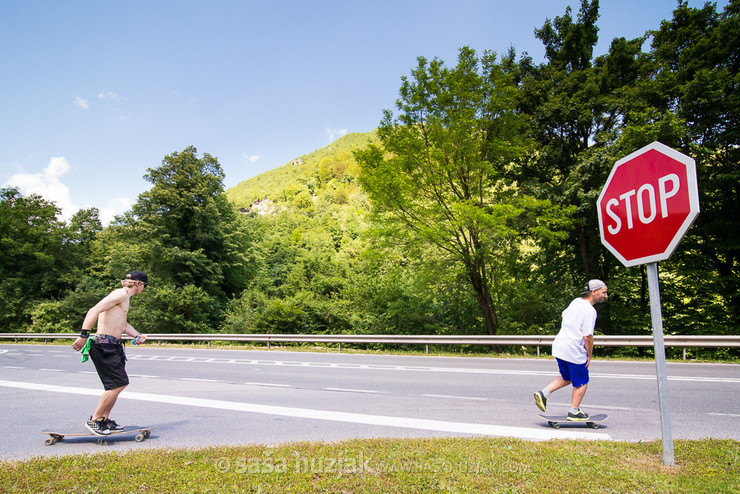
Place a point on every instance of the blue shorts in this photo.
(577, 374)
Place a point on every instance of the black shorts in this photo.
(110, 362)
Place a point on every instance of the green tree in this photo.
(190, 240)
(574, 109)
(438, 175)
(695, 89)
(191, 231)
(35, 256)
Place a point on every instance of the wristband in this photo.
(84, 333)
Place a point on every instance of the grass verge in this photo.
(391, 465)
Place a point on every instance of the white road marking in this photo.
(52, 370)
(348, 390)
(199, 380)
(12, 367)
(453, 397)
(271, 385)
(345, 417)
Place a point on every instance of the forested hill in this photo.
(328, 173)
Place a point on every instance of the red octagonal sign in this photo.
(648, 202)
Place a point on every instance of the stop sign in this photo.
(648, 202)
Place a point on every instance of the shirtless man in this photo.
(106, 347)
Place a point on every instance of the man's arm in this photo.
(91, 318)
(114, 298)
(129, 330)
(588, 342)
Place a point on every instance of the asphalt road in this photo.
(200, 397)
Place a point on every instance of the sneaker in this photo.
(113, 426)
(540, 400)
(98, 426)
(578, 417)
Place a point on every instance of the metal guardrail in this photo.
(730, 341)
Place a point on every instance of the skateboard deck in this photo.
(141, 434)
(555, 421)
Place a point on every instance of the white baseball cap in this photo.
(592, 285)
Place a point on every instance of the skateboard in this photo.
(555, 421)
(141, 434)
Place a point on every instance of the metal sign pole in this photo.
(660, 366)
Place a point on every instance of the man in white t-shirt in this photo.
(573, 347)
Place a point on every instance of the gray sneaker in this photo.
(578, 417)
(98, 426)
(540, 400)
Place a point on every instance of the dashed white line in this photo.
(453, 397)
(270, 385)
(348, 390)
(199, 380)
(52, 370)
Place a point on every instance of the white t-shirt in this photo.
(579, 320)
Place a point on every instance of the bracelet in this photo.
(84, 333)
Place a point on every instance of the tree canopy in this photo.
(471, 209)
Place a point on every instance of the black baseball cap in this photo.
(138, 276)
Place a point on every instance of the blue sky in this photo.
(95, 92)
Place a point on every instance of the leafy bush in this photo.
(171, 309)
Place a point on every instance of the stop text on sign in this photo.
(644, 199)
(647, 204)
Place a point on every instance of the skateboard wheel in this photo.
(139, 438)
(147, 433)
(49, 441)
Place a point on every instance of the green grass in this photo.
(391, 465)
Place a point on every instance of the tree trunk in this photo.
(484, 299)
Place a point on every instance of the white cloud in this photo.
(82, 103)
(335, 134)
(47, 184)
(108, 95)
(251, 159)
(115, 207)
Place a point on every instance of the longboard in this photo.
(141, 434)
(555, 421)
